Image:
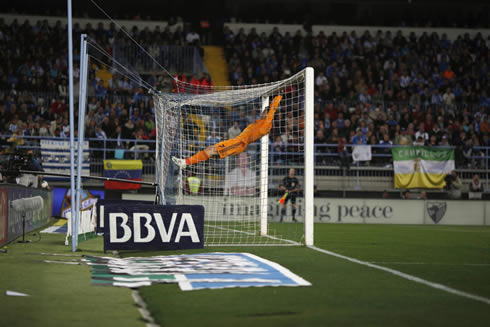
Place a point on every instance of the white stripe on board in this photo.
(407, 276)
(425, 166)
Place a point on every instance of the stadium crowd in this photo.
(380, 89)
(34, 81)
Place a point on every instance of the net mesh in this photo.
(240, 190)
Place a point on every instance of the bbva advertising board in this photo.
(153, 227)
(102, 204)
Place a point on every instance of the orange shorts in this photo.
(230, 147)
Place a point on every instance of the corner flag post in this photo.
(74, 213)
(81, 125)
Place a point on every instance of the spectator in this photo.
(454, 185)
(241, 180)
(320, 140)
(234, 130)
(419, 141)
(475, 188)
(213, 138)
(321, 79)
(386, 145)
(192, 38)
(359, 138)
(141, 149)
(468, 153)
(422, 133)
(403, 138)
(344, 155)
(278, 147)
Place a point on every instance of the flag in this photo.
(123, 169)
(55, 156)
(422, 167)
(283, 199)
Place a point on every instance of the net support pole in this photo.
(264, 175)
(309, 156)
(74, 213)
(81, 126)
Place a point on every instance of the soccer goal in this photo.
(256, 189)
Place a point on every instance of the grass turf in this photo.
(348, 294)
(60, 294)
(343, 293)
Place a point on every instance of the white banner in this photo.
(361, 153)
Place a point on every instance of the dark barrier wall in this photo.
(11, 221)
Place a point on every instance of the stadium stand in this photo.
(391, 87)
(383, 83)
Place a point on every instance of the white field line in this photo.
(453, 230)
(141, 304)
(252, 234)
(430, 263)
(407, 276)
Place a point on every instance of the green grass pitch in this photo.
(343, 293)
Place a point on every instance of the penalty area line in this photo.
(406, 276)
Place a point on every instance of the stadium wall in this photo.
(52, 20)
(359, 211)
(11, 221)
(452, 33)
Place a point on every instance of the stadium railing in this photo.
(374, 175)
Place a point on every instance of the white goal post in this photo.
(240, 189)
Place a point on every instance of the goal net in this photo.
(246, 170)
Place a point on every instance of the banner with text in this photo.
(115, 205)
(421, 166)
(340, 210)
(153, 227)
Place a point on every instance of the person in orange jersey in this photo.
(238, 144)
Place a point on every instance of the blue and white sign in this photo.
(153, 227)
(55, 156)
(192, 271)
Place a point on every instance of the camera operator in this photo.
(32, 164)
(454, 186)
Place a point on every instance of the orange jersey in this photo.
(252, 133)
(249, 135)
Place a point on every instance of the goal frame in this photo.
(263, 204)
